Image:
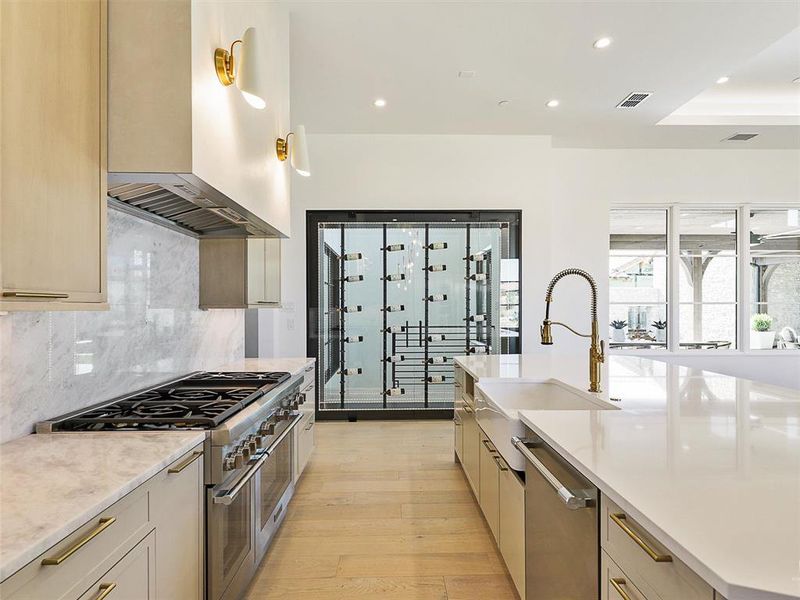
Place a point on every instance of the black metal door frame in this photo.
(315, 217)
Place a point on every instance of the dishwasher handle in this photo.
(573, 501)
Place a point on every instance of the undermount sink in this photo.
(497, 407)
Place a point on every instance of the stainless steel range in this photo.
(250, 420)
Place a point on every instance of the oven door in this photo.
(274, 487)
(230, 547)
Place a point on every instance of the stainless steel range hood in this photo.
(185, 203)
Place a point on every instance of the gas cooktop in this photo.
(198, 401)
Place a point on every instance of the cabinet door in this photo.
(256, 271)
(471, 442)
(489, 485)
(512, 525)
(132, 578)
(272, 271)
(53, 188)
(177, 502)
(458, 434)
(614, 584)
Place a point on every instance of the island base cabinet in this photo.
(471, 459)
(614, 584)
(512, 525)
(458, 435)
(132, 578)
(489, 496)
(665, 579)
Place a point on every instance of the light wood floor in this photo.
(383, 512)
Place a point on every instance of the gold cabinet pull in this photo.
(103, 524)
(48, 295)
(617, 583)
(105, 589)
(467, 409)
(195, 455)
(619, 519)
(499, 462)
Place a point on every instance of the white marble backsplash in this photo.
(56, 362)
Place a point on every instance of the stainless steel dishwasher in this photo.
(562, 539)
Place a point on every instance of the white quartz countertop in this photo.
(708, 463)
(293, 365)
(51, 484)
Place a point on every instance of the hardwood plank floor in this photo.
(383, 512)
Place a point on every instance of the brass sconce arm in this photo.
(282, 146)
(224, 64)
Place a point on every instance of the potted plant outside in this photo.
(661, 330)
(762, 337)
(618, 331)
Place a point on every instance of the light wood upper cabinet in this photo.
(240, 273)
(53, 162)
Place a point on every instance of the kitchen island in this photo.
(707, 464)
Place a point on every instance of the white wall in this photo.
(565, 195)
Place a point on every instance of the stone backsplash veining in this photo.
(56, 362)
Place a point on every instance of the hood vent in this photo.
(740, 137)
(634, 99)
(184, 203)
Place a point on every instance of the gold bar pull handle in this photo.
(103, 524)
(44, 295)
(105, 589)
(195, 455)
(499, 462)
(617, 583)
(619, 519)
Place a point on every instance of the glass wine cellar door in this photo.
(397, 301)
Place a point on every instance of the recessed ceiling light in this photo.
(796, 80)
(504, 102)
(723, 79)
(379, 102)
(466, 74)
(552, 103)
(603, 42)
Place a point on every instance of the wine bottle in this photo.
(437, 246)
(394, 247)
(354, 339)
(353, 256)
(394, 308)
(437, 268)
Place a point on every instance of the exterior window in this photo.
(707, 281)
(775, 279)
(638, 278)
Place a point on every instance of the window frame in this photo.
(743, 282)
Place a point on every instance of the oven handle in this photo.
(230, 495)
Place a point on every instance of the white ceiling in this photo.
(346, 54)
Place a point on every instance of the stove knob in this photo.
(229, 463)
(282, 415)
(238, 460)
(251, 444)
(295, 404)
(302, 398)
(258, 440)
(266, 428)
(245, 451)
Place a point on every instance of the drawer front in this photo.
(657, 573)
(614, 584)
(489, 489)
(309, 375)
(458, 433)
(84, 555)
(305, 443)
(132, 578)
(512, 525)
(310, 393)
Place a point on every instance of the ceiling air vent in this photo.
(740, 137)
(634, 99)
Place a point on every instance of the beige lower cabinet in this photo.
(149, 544)
(489, 485)
(512, 524)
(304, 444)
(645, 562)
(471, 459)
(132, 577)
(458, 434)
(177, 507)
(240, 273)
(614, 584)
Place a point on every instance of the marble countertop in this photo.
(708, 463)
(293, 365)
(52, 484)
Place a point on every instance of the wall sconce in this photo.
(298, 150)
(247, 76)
